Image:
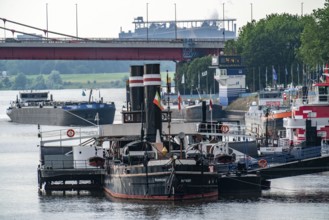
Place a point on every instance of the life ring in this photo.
(262, 163)
(70, 133)
(224, 129)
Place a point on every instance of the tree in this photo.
(191, 72)
(39, 83)
(269, 42)
(314, 48)
(20, 81)
(54, 80)
(6, 83)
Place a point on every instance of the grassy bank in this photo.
(241, 104)
(95, 80)
(90, 80)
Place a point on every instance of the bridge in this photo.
(108, 49)
(67, 47)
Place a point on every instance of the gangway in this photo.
(296, 168)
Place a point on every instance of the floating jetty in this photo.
(70, 179)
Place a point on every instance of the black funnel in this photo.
(136, 87)
(152, 83)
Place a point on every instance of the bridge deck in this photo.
(108, 49)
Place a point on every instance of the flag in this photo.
(204, 73)
(157, 101)
(179, 101)
(183, 79)
(286, 71)
(210, 105)
(275, 76)
(326, 72)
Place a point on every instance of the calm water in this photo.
(303, 197)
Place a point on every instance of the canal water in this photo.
(303, 197)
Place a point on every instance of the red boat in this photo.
(315, 108)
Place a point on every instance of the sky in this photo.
(105, 18)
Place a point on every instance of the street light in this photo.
(223, 22)
(76, 18)
(251, 12)
(47, 18)
(4, 30)
(147, 21)
(175, 22)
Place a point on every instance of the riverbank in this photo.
(241, 104)
(74, 81)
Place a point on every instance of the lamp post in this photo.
(302, 7)
(76, 19)
(251, 12)
(223, 22)
(147, 21)
(47, 18)
(4, 30)
(175, 22)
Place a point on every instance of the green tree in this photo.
(191, 72)
(315, 48)
(269, 42)
(6, 83)
(20, 81)
(39, 83)
(54, 80)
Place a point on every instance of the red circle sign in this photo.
(70, 133)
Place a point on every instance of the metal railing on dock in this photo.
(68, 164)
(70, 134)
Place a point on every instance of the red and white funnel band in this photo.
(152, 79)
(136, 81)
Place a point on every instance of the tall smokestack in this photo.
(152, 83)
(136, 87)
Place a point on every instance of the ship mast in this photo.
(168, 104)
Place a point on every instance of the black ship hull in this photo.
(49, 115)
(188, 182)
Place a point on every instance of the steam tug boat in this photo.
(155, 166)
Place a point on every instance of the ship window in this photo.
(323, 93)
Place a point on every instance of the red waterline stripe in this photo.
(164, 198)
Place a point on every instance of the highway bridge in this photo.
(108, 49)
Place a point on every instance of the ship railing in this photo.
(74, 135)
(284, 142)
(68, 164)
(325, 146)
(221, 129)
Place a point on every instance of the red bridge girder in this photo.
(97, 53)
